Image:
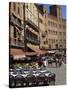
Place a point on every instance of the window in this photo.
(14, 32)
(18, 10)
(43, 35)
(64, 40)
(26, 5)
(45, 15)
(60, 45)
(49, 46)
(53, 32)
(56, 46)
(45, 11)
(55, 25)
(60, 33)
(49, 31)
(56, 40)
(18, 41)
(45, 32)
(29, 6)
(11, 31)
(60, 40)
(44, 42)
(49, 23)
(49, 40)
(40, 20)
(63, 26)
(19, 21)
(64, 33)
(59, 25)
(56, 32)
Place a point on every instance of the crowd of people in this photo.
(56, 59)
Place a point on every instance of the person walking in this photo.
(60, 62)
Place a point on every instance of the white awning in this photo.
(51, 51)
(19, 56)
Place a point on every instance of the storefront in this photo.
(20, 58)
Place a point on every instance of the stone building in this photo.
(16, 41)
(23, 27)
(55, 27)
(23, 31)
(43, 26)
(33, 29)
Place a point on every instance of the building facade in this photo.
(43, 23)
(16, 41)
(55, 27)
(23, 29)
(31, 26)
(32, 29)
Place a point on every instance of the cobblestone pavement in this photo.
(60, 74)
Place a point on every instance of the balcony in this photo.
(15, 22)
(34, 41)
(44, 34)
(32, 31)
(32, 25)
(16, 43)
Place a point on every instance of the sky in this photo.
(63, 7)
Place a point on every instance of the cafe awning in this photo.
(36, 49)
(19, 53)
(30, 53)
(51, 52)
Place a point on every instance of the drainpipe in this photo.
(38, 28)
(24, 27)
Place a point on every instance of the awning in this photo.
(30, 53)
(45, 46)
(36, 49)
(51, 51)
(33, 31)
(19, 53)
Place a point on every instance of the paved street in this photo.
(60, 74)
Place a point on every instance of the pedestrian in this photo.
(49, 62)
(60, 62)
(57, 61)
